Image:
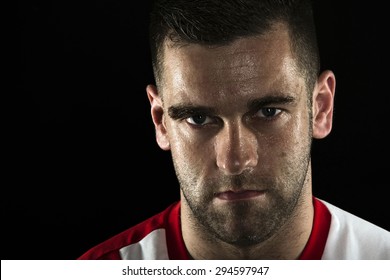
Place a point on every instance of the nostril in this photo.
(236, 164)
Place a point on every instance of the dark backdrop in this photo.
(83, 161)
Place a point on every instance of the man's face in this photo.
(238, 125)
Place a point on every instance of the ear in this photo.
(323, 104)
(157, 112)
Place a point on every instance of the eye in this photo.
(199, 120)
(268, 112)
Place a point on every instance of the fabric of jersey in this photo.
(336, 235)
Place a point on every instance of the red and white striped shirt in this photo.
(336, 235)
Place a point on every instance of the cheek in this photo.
(181, 141)
(189, 148)
(296, 143)
(288, 140)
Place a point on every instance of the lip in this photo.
(239, 195)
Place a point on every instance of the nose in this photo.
(236, 149)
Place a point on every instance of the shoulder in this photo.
(351, 237)
(144, 240)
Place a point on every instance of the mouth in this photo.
(239, 195)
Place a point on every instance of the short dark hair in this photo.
(216, 22)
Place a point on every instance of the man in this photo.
(238, 99)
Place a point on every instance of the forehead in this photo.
(248, 66)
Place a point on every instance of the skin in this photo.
(238, 123)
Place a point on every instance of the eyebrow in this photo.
(184, 111)
(270, 100)
(181, 111)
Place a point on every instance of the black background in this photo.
(83, 162)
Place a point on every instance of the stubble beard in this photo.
(244, 223)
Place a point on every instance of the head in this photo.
(238, 99)
(210, 23)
